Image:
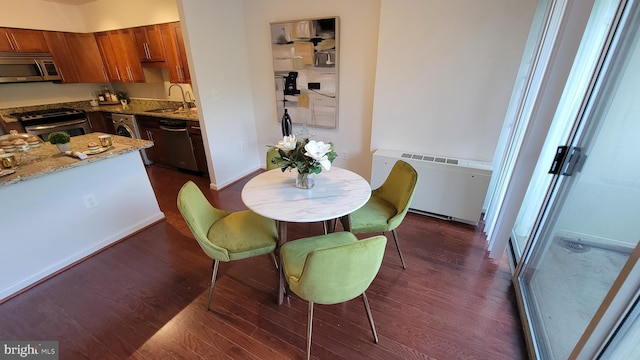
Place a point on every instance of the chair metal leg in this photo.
(275, 261)
(373, 326)
(309, 328)
(395, 237)
(213, 282)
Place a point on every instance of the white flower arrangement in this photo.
(307, 156)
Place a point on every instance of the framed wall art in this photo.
(305, 69)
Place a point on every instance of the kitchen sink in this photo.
(163, 110)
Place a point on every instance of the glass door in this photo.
(587, 228)
(580, 80)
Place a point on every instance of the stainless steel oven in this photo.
(43, 122)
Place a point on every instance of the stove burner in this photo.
(48, 116)
(46, 113)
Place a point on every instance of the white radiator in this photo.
(447, 187)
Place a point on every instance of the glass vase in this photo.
(305, 180)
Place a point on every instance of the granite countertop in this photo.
(141, 108)
(47, 159)
(136, 107)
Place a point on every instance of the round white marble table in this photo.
(336, 194)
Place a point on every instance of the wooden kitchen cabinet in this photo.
(149, 43)
(22, 40)
(101, 123)
(8, 126)
(89, 66)
(149, 127)
(197, 142)
(62, 55)
(176, 55)
(120, 56)
(65, 48)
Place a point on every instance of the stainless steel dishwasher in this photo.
(175, 134)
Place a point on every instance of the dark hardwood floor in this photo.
(145, 298)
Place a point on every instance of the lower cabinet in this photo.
(150, 130)
(100, 122)
(149, 127)
(8, 126)
(198, 146)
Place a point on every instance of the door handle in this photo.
(558, 160)
(172, 130)
(572, 162)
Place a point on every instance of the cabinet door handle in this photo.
(129, 73)
(195, 127)
(9, 41)
(104, 74)
(118, 74)
(17, 47)
(147, 52)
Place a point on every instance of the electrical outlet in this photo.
(90, 201)
(344, 155)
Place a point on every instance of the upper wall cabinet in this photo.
(63, 56)
(89, 66)
(176, 54)
(120, 56)
(65, 48)
(149, 43)
(22, 40)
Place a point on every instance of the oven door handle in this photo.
(58, 124)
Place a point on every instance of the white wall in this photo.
(41, 15)
(442, 72)
(445, 73)
(214, 33)
(358, 43)
(103, 15)
(94, 16)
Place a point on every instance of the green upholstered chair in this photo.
(330, 269)
(271, 153)
(223, 235)
(388, 204)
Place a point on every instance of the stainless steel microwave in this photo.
(27, 67)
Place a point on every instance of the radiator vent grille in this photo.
(454, 188)
(440, 160)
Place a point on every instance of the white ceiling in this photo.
(71, 2)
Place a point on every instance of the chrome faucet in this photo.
(185, 104)
(191, 102)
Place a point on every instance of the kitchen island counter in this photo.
(57, 210)
(47, 158)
